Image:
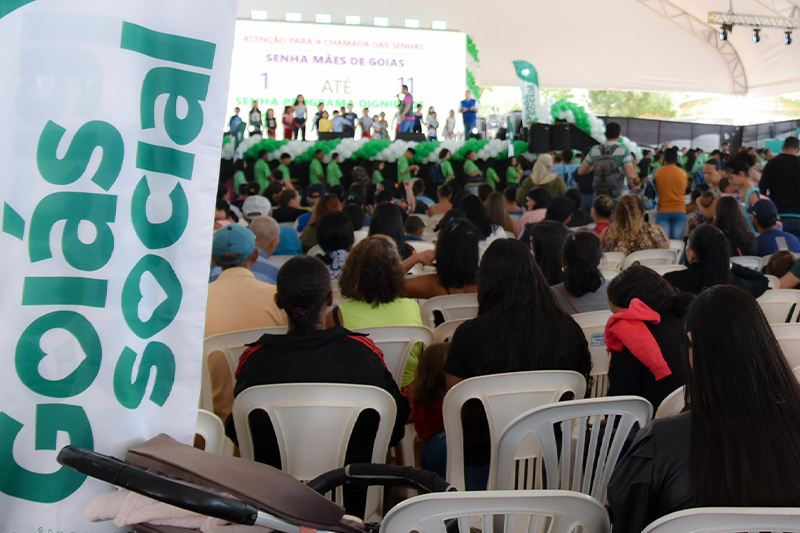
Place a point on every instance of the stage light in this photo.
(380, 21)
(293, 16)
(322, 18)
(412, 23)
(258, 14)
(756, 35)
(788, 39)
(723, 34)
(439, 25)
(352, 20)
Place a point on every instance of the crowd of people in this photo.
(532, 253)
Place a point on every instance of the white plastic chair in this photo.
(747, 261)
(510, 235)
(728, 520)
(672, 405)
(609, 273)
(452, 307)
(774, 282)
(232, 345)
(552, 511)
(360, 235)
(503, 396)
(677, 246)
(422, 246)
(313, 423)
(315, 251)
(581, 427)
(210, 427)
(444, 332)
(594, 326)
(515, 219)
(788, 336)
(780, 306)
(764, 262)
(666, 269)
(396, 343)
(650, 257)
(612, 260)
(424, 218)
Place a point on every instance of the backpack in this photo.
(436, 174)
(608, 176)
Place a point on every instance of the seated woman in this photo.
(372, 285)
(538, 200)
(513, 297)
(731, 221)
(309, 353)
(546, 240)
(441, 207)
(327, 204)
(388, 220)
(710, 264)
(426, 405)
(510, 200)
(583, 289)
(335, 236)
(288, 206)
(542, 177)
(496, 211)
(456, 259)
(488, 231)
(724, 451)
(643, 336)
(602, 211)
(629, 232)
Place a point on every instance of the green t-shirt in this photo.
(315, 172)
(333, 174)
(447, 169)
(470, 168)
(238, 180)
(402, 166)
(377, 177)
(512, 175)
(492, 178)
(262, 174)
(285, 172)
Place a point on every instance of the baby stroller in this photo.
(190, 479)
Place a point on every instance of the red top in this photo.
(627, 329)
(599, 227)
(428, 420)
(288, 120)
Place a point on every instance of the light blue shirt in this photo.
(262, 269)
(339, 124)
(567, 172)
(289, 243)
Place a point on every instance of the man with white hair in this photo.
(268, 235)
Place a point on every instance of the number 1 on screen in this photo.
(266, 79)
(410, 83)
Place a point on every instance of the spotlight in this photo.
(723, 34)
(788, 39)
(757, 35)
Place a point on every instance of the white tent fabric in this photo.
(637, 45)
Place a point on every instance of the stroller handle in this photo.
(157, 487)
(368, 475)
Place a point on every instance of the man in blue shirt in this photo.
(469, 110)
(339, 122)
(566, 169)
(314, 193)
(770, 239)
(235, 120)
(351, 121)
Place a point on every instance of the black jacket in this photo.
(652, 479)
(287, 214)
(781, 182)
(691, 279)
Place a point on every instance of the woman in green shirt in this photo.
(445, 165)
(239, 178)
(372, 283)
(542, 177)
(491, 177)
(377, 167)
(513, 172)
(471, 168)
(333, 174)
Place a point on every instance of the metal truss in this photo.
(753, 21)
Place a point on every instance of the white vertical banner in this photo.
(109, 157)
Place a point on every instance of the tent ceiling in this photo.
(638, 45)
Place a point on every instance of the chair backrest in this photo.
(210, 427)
(612, 260)
(609, 273)
(503, 511)
(594, 326)
(360, 235)
(444, 332)
(764, 262)
(780, 305)
(747, 261)
(396, 343)
(666, 269)
(728, 520)
(510, 235)
(279, 260)
(788, 336)
(315, 251)
(452, 307)
(504, 396)
(774, 282)
(422, 246)
(672, 404)
(650, 257)
(313, 423)
(677, 246)
(515, 219)
(566, 466)
(232, 345)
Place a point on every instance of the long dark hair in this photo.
(710, 246)
(475, 213)
(304, 288)
(547, 241)
(691, 159)
(582, 255)
(730, 219)
(651, 288)
(745, 400)
(387, 220)
(511, 287)
(457, 254)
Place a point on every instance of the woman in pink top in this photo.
(536, 209)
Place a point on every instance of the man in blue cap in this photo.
(235, 246)
(770, 239)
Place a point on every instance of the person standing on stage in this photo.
(318, 115)
(235, 120)
(468, 109)
(450, 126)
(272, 124)
(405, 118)
(366, 125)
(288, 123)
(300, 115)
(255, 119)
(352, 118)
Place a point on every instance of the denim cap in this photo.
(235, 242)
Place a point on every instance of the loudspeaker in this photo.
(539, 138)
(559, 136)
(417, 137)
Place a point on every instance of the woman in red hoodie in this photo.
(644, 335)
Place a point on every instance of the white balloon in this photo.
(570, 116)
